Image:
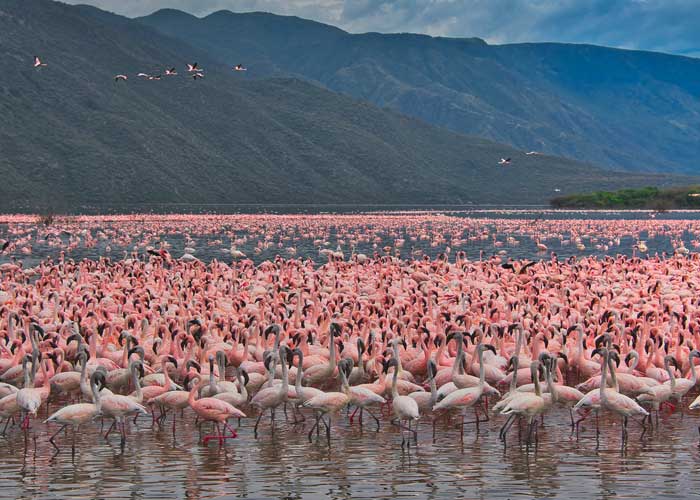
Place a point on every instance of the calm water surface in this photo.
(526, 225)
(362, 463)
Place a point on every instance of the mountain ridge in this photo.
(72, 136)
(583, 101)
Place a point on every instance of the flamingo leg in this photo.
(478, 420)
(51, 439)
(301, 415)
(532, 425)
(583, 417)
(257, 422)
(4, 429)
(233, 435)
(123, 440)
(110, 429)
(408, 441)
(374, 417)
(506, 426)
(206, 439)
(328, 431)
(315, 426)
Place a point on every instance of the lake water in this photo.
(479, 232)
(360, 462)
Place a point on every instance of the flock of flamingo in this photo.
(193, 70)
(384, 337)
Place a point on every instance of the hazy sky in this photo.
(663, 25)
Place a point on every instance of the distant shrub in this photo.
(647, 197)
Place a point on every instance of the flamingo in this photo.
(681, 386)
(214, 410)
(272, 397)
(659, 394)
(361, 397)
(328, 403)
(616, 402)
(405, 408)
(38, 63)
(301, 394)
(525, 405)
(117, 406)
(78, 414)
(469, 397)
(30, 399)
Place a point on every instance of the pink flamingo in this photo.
(214, 410)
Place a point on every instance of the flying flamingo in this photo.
(38, 63)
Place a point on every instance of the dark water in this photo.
(360, 463)
(479, 232)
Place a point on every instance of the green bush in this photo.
(647, 197)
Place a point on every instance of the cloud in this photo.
(663, 25)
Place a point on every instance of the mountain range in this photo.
(72, 136)
(619, 109)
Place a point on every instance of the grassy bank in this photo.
(648, 197)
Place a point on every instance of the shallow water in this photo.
(460, 230)
(360, 463)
